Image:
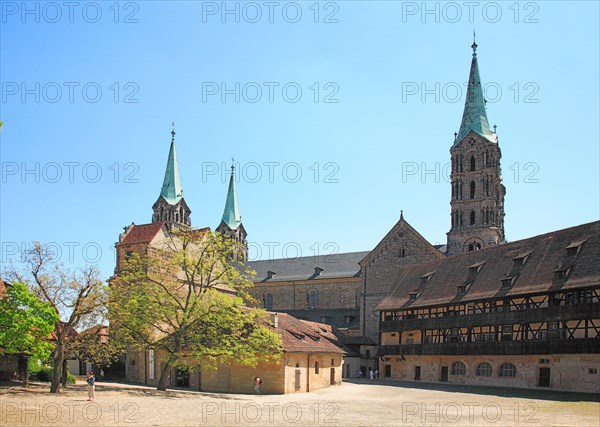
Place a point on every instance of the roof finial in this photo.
(173, 131)
(401, 214)
(495, 129)
(474, 45)
(232, 165)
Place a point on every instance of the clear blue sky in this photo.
(395, 69)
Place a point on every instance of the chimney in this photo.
(275, 320)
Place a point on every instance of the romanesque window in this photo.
(484, 369)
(507, 370)
(312, 299)
(472, 218)
(472, 192)
(472, 163)
(268, 300)
(458, 368)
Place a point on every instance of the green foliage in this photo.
(188, 300)
(44, 373)
(26, 322)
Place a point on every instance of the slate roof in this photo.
(544, 255)
(337, 316)
(302, 336)
(303, 268)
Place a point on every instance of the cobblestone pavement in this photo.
(356, 403)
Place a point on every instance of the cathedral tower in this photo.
(231, 223)
(171, 206)
(477, 201)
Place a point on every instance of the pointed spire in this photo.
(474, 115)
(171, 188)
(231, 214)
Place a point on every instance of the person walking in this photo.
(91, 385)
(257, 384)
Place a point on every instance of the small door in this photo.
(182, 378)
(388, 371)
(332, 376)
(417, 373)
(444, 376)
(297, 380)
(544, 377)
(348, 371)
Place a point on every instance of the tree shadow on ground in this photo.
(521, 393)
(16, 388)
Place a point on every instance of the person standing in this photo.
(91, 385)
(257, 384)
(371, 374)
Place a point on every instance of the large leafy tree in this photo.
(26, 324)
(79, 299)
(186, 299)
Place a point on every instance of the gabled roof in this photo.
(534, 273)
(144, 233)
(308, 268)
(302, 336)
(402, 224)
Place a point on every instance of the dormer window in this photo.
(270, 274)
(476, 268)
(521, 259)
(574, 248)
(507, 282)
(462, 289)
(318, 271)
(562, 272)
(425, 278)
(413, 295)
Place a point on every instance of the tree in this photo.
(25, 325)
(186, 299)
(77, 297)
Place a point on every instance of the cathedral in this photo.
(477, 310)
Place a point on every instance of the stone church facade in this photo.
(421, 312)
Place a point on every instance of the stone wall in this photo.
(568, 372)
(401, 246)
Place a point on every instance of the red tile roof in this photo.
(544, 255)
(142, 233)
(302, 336)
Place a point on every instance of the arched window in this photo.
(312, 299)
(472, 219)
(268, 300)
(507, 370)
(472, 194)
(458, 368)
(484, 369)
(472, 163)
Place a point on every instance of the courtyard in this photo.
(354, 403)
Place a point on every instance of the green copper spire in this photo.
(474, 116)
(231, 214)
(171, 188)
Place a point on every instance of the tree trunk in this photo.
(65, 370)
(58, 367)
(24, 369)
(163, 382)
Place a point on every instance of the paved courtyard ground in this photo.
(357, 403)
